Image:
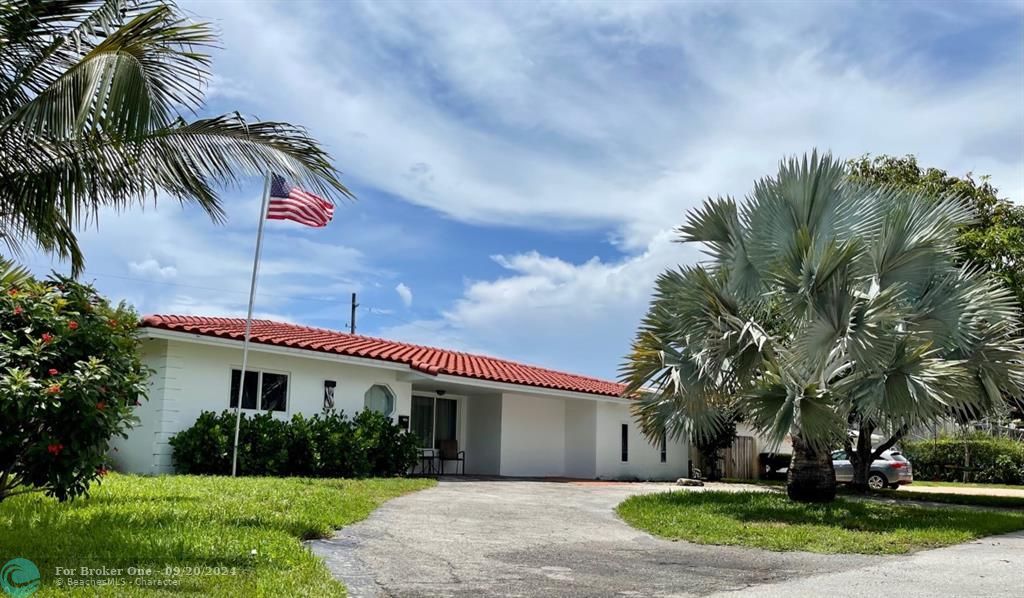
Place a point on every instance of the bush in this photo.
(992, 460)
(325, 445)
(70, 375)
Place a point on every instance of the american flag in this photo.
(288, 202)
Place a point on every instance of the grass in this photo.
(771, 521)
(244, 532)
(967, 485)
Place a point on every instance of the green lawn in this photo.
(769, 520)
(243, 533)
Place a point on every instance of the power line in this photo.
(205, 288)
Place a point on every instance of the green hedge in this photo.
(992, 460)
(325, 445)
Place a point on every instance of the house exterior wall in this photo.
(139, 451)
(644, 459)
(483, 434)
(580, 439)
(532, 435)
(529, 434)
(191, 378)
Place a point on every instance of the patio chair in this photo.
(449, 451)
(427, 458)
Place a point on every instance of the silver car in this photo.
(891, 469)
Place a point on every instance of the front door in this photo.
(434, 419)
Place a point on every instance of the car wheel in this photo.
(877, 481)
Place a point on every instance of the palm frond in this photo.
(717, 224)
(693, 350)
(11, 274)
(133, 81)
(917, 239)
(227, 148)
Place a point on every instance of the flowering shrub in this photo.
(70, 374)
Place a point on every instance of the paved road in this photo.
(527, 538)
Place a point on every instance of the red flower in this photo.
(18, 310)
(73, 325)
(55, 449)
(53, 372)
(102, 471)
(53, 389)
(101, 405)
(47, 337)
(112, 322)
(12, 292)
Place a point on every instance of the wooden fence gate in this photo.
(741, 459)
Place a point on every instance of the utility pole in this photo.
(352, 319)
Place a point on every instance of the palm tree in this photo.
(824, 300)
(94, 100)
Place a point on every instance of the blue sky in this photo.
(519, 166)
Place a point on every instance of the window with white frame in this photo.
(271, 388)
(379, 398)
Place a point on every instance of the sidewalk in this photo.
(968, 490)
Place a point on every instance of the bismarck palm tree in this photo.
(95, 100)
(823, 298)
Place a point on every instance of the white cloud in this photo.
(582, 114)
(579, 317)
(745, 89)
(151, 268)
(405, 293)
(617, 116)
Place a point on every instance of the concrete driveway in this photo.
(531, 538)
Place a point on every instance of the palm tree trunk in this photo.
(865, 455)
(811, 477)
(861, 459)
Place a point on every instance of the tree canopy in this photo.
(824, 295)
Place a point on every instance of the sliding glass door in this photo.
(434, 419)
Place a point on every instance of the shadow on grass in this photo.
(771, 521)
(760, 507)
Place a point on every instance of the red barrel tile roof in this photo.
(428, 360)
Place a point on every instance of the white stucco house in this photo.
(511, 419)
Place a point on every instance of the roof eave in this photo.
(152, 332)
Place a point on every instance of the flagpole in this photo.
(248, 321)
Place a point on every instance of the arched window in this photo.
(379, 398)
